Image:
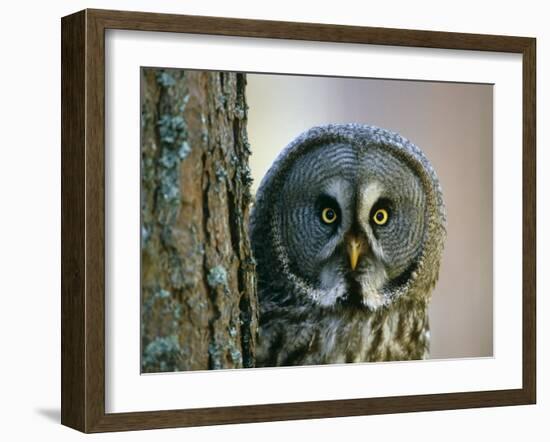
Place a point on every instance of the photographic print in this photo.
(305, 220)
(252, 204)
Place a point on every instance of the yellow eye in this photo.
(380, 217)
(328, 215)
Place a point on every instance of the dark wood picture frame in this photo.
(83, 218)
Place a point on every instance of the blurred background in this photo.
(452, 124)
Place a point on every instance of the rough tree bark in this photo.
(198, 288)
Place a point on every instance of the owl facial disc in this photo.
(349, 215)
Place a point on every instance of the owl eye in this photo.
(328, 215)
(380, 217)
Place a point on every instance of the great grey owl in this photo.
(347, 230)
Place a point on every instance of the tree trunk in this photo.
(199, 306)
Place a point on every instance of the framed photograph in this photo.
(271, 220)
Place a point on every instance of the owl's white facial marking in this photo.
(328, 297)
(332, 285)
(340, 190)
(372, 276)
(372, 281)
(368, 195)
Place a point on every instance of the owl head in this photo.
(348, 215)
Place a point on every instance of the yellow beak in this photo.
(355, 248)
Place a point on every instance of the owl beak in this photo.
(355, 248)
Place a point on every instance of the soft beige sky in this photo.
(452, 124)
